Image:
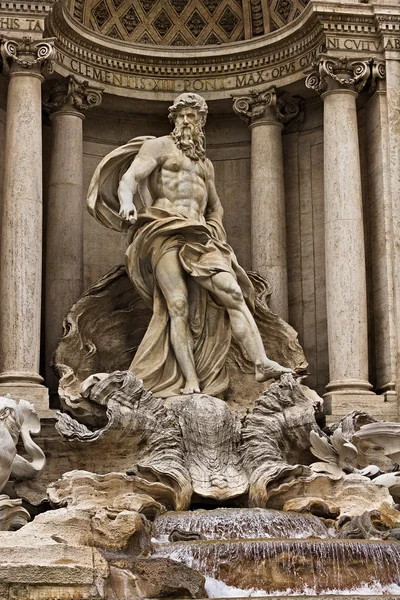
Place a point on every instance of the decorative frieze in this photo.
(333, 72)
(71, 94)
(25, 54)
(266, 105)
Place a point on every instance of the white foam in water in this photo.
(219, 589)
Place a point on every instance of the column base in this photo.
(338, 405)
(349, 386)
(27, 389)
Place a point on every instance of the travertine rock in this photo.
(115, 490)
(163, 577)
(211, 437)
(12, 514)
(137, 421)
(351, 494)
(370, 525)
(276, 440)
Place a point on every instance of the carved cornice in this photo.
(27, 55)
(78, 42)
(71, 95)
(34, 8)
(277, 58)
(342, 73)
(389, 23)
(267, 106)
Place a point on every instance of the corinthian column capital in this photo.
(71, 95)
(333, 73)
(27, 56)
(267, 106)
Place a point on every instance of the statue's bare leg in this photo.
(171, 279)
(226, 289)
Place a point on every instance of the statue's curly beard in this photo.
(190, 139)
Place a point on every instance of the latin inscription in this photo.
(21, 24)
(208, 84)
(362, 45)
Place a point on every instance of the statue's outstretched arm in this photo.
(142, 166)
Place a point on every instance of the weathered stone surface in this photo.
(370, 525)
(350, 494)
(163, 577)
(385, 435)
(211, 437)
(12, 514)
(116, 491)
(139, 423)
(275, 438)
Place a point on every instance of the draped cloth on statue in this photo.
(202, 251)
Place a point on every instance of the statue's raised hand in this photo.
(128, 213)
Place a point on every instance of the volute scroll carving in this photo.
(26, 54)
(267, 105)
(331, 73)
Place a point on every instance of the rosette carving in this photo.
(27, 54)
(268, 105)
(71, 94)
(331, 72)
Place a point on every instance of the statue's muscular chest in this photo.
(180, 169)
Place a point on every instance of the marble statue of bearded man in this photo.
(163, 190)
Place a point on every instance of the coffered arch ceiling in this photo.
(184, 22)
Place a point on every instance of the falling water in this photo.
(239, 523)
(276, 565)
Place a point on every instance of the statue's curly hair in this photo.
(188, 99)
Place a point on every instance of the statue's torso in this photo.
(179, 185)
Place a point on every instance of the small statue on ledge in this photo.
(179, 261)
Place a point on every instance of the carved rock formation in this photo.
(211, 437)
(276, 440)
(348, 495)
(163, 577)
(370, 525)
(140, 424)
(12, 514)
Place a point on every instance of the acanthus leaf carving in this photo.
(71, 93)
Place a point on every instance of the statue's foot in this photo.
(271, 370)
(191, 387)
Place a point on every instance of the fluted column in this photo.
(265, 114)
(339, 81)
(21, 235)
(67, 101)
